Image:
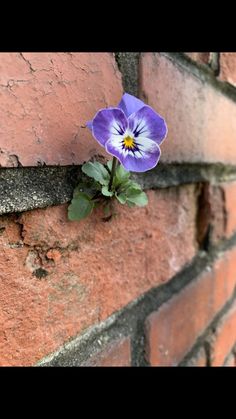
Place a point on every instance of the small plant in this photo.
(131, 133)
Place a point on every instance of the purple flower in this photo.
(132, 132)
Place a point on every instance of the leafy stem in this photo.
(101, 185)
(113, 169)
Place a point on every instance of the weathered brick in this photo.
(228, 67)
(211, 222)
(46, 100)
(224, 337)
(201, 120)
(200, 57)
(198, 360)
(116, 354)
(216, 214)
(174, 328)
(71, 275)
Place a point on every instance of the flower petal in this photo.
(130, 104)
(147, 123)
(144, 158)
(107, 123)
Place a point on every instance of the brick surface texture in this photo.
(228, 67)
(46, 100)
(196, 113)
(174, 328)
(86, 275)
(200, 57)
(123, 290)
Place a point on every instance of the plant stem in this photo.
(114, 161)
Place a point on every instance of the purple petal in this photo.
(130, 104)
(89, 125)
(141, 160)
(107, 123)
(147, 123)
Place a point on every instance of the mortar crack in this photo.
(28, 62)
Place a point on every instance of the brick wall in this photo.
(159, 291)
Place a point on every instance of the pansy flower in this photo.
(132, 132)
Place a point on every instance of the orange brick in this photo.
(117, 354)
(174, 328)
(228, 67)
(102, 266)
(224, 338)
(46, 100)
(201, 120)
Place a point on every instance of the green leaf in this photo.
(106, 192)
(81, 206)
(96, 171)
(129, 184)
(137, 197)
(134, 185)
(121, 198)
(121, 174)
(130, 204)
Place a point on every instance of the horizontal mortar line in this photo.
(27, 188)
(203, 336)
(124, 321)
(202, 72)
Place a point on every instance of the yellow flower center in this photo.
(129, 142)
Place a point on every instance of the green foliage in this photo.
(121, 198)
(121, 175)
(137, 197)
(96, 171)
(105, 191)
(95, 189)
(81, 206)
(131, 194)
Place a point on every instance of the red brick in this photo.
(228, 67)
(46, 99)
(117, 354)
(201, 120)
(93, 268)
(199, 360)
(224, 338)
(174, 328)
(230, 361)
(200, 57)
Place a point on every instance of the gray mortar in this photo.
(26, 188)
(128, 64)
